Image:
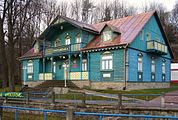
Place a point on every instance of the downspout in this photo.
(125, 79)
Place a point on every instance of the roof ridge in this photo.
(152, 11)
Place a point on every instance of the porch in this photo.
(72, 76)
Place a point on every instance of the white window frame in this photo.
(78, 38)
(153, 65)
(107, 35)
(142, 35)
(84, 65)
(148, 38)
(107, 62)
(30, 67)
(54, 67)
(163, 67)
(67, 40)
(57, 43)
(140, 63)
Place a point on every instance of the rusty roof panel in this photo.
(129, 27)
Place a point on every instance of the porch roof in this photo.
(31, 54)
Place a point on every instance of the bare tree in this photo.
(3, 10)
(76, 9)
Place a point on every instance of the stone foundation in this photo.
(147, 85)
(82, 83)
(120, 85)
(110, 85)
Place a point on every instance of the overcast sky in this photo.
(169, 4)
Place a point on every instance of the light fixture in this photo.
(63, 57)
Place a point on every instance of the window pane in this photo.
(107, 64)
(153, 66)
(107, 35)
(163, 68)
(54, 67)
(140, 64)
(110, 64)
(30, 67)
(103, 65)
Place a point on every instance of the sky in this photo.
(169, 4)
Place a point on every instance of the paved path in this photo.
(171, 100)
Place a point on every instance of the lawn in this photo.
(144, 94)
(17, 89)
(173, 87)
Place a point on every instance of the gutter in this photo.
(125, 80)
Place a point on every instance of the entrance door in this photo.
(59, 70)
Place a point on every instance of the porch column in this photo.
(69, 57)
(80, 66)
(88, 65)
(43, 68)
(52, 67)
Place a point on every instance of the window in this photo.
(78, 38)
(148, 36)
(54, 67)
(153, 65)
(107, 62)
(107, 35)
(153, 69)
(67, 40)
(140, 63)
(84, 65)
(56, 43)
(140, 67)
(142, 35)
(30, 66)
(163, 70)
(36, 47)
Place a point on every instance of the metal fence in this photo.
(43, 114)
(83, 98)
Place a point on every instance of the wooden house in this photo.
(127, 53)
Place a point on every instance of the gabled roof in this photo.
(31, 54)
(81, 25)
(129, 27)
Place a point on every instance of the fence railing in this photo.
(85, 98)
(70, 114)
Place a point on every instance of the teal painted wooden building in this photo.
(127, 53)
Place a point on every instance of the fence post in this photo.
(53, 97)
(163, 100)
(83, 99)
(27, 99)
(101, 117)
(70, 113)
(5, 101)
(119, 100)
(16, 114)
(1, 110)
(44, 115)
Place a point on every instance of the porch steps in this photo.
(48, 84)
(57, 83)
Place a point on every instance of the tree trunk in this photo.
(3, 57)
(11, 62)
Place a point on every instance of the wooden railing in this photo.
(155, 46)
(64, 48)
(45, 76)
